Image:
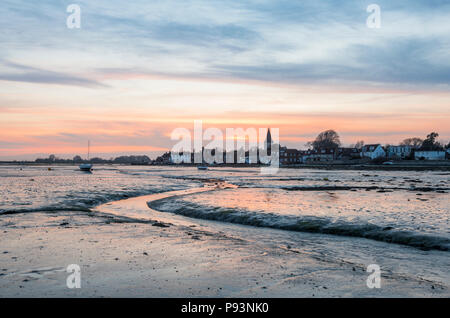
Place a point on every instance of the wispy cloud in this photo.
(265, 40)
(28, 74)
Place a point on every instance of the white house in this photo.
(429, 155)
(373, 151)
(181, 157)
(399, 151)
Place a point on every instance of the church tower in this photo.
(268, 142)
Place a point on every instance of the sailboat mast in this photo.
(89, 146)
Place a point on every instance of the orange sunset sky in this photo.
(129, 76)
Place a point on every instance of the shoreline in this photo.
(122, 258)
(403, 166)
(164, 255)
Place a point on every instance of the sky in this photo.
(136, 70)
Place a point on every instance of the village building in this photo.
(348, 153)
(290, 156)
(180, 157)
(429, 155)
(372, 151)
(399, 152)
(319, 155)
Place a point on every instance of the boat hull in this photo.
(86, 167)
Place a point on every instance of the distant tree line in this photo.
(330, 139)
(78, 160)
(428, 144)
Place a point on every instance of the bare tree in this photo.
(359, 144)
(414, 142)
(326, 139)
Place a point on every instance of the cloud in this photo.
(276, 41)
(28, 74)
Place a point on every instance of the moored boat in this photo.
(87, 166)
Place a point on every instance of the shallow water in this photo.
(35, 188)
(409, 208)
(399, 220)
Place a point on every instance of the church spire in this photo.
(268, 143)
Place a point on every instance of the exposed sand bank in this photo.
(164, 256)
